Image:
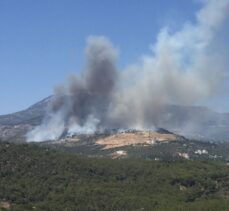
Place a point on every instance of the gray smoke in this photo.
(182, 69)
(82, 104)
(92, 93)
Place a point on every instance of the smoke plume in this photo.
(82, 104)
(183, 68)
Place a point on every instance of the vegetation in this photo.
(160, 150)
(40, 178)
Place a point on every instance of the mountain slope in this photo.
(191, 121)
(33, 115)
(13, 127)
(197, 122)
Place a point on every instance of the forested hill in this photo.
(36, 178)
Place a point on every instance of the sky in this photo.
(43, 41)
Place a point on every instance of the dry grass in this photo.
(133, 138)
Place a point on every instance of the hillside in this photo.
(32, 115)
(191, 121)
(13, 127)
(34, 178)
(150, 145)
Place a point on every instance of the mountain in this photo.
(197, 122)
(13, 127)
(191, 121)
(33, 115)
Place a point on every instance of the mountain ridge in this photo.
(192, 121)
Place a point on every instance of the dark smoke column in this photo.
(92, 94)
(81, 105)
(101, 74)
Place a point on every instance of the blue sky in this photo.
(43, 41)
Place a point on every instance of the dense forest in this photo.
(40, 178)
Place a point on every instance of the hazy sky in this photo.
(43, 41)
